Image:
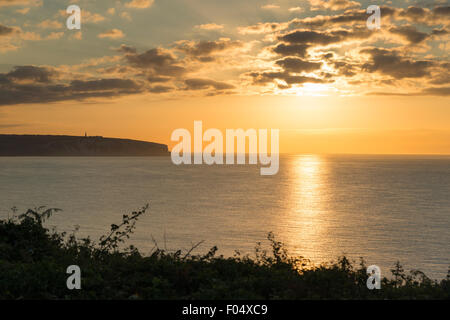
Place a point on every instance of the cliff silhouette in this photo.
(52, 145)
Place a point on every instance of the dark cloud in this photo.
(116, 69)
(309, 37)
(297, 65)
(41, 90)
(4, 30)
(391, 63)
(156, 61)
(442, 11)
(426, 16)
(201, 84)
(284, 49)
(439, 32)
(204, 48)
(160, 89)
(205, 59)
(38, 74)
(328, 55)
(414, 13)
(409, 33)
(155, 79)
(348, 19)
(4, 79)
(345, 69)
(205, 51)
(118, 85)
(263, 78)
(442, 76)
(127, 49)
(432, 91)
(438, 91)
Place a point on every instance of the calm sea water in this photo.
(384, 208)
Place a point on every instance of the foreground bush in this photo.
(33, 262)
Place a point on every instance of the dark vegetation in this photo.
(33, 263)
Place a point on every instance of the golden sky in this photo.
(140, 69)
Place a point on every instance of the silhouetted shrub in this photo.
(33, 262)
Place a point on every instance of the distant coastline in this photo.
(76, 146)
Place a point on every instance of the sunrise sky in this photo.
(140, 69)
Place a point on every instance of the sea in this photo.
(382, 208)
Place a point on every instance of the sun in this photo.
(314, 89)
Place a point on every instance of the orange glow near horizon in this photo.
(317, 125)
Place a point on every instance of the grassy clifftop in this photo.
(33, 263)
(41, 145)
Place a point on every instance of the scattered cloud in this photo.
(23, 10)
(34, 3)
(50, 24)
(125, 15)
(112, 34)
(297, 65)
(333, 4)
(160, 89)
(54, 36)
(201, 84)
(270, 6)
(154, 62)
(89, 17)
(210, 26)
(78, 35)
(261, 28)
(140, 4)
(333, 49)
(296, 9)
(204, 49)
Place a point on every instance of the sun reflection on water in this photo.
(305, 225)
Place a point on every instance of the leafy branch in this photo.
(122, 231)
(39, 214)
